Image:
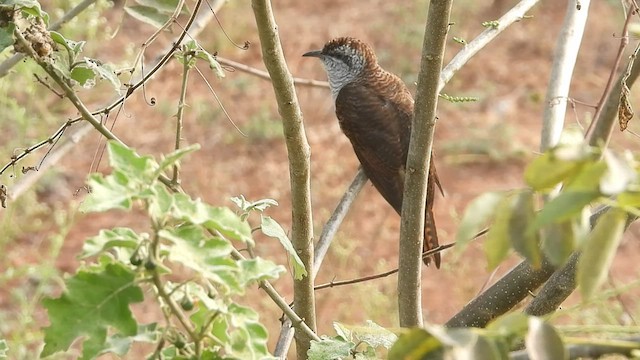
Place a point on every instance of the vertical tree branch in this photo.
(564, 61)
(418, 162)
(299, 163)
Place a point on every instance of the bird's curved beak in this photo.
(316, 53)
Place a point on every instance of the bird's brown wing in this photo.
(377, 129)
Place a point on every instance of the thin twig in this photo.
(425, 255)
(265, 75)
(182, 103)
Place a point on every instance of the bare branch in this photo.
(564, 61)
(299, 163)
(418, 162)
(517, 13)
(265, 75)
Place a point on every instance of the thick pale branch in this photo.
(299, 163)
(418, 162)
(564, 61)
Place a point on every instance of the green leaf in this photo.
(60, 62)
(258, 205)
(253, 270)
(95, 300)
(3, 348)
(331, 348)
(524, 240)
(119, 237)
(599, 250)
(543, 342)
(588, 179)
(496, 247)
(159, 203)
(481, 348)
(107, 193)
(248, 337)
(372, 334)
(74, 47)
(30, 7)
(479, 211)
(105, 72)
(511, 324)
(84, 76)
(567, 205)
(132, 165)
(6, 36)
(213, 63)
(173, 157)
(205, 255)
(560, 242)
(120, 344)
(166, 6)
(271, 228)
(416, 344)
(147, 14)
(629, 198)
(219, 219)
(548, 170)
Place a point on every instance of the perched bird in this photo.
(375, 111)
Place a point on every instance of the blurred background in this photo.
(480, 146)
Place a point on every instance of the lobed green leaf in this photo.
(331, 348)
(106, 239)
(95, 300)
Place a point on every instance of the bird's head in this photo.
(344, 59)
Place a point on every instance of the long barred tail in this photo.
(430, 238)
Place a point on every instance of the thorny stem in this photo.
(179, 116)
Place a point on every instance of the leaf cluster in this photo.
(185, 232)
(573, 178)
